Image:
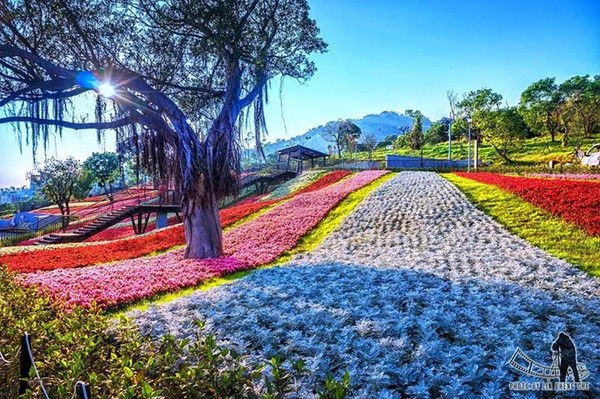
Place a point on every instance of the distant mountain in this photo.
(381, 125)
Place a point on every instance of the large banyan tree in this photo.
(176, 77)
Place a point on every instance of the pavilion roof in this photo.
(302, 153)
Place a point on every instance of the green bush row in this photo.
(118, 362)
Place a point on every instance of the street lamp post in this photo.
(450, 140)
(469, 119)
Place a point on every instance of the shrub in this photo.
(117, 361)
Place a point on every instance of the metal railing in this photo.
(24, 231)
(51, 223)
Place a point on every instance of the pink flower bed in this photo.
(257, 242)
(111, 284)
(280, 229)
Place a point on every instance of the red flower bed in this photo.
(238, 212)
(326, 180)
(576, 202)
(84, 255)
(102, 252)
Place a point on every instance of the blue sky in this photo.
(396, 55)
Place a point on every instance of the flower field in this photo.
(254, 243)
(125, 229)
(126, 246)
(576, 202)
(549, 232)
(567, 176)
(294, 185)
(417, 294)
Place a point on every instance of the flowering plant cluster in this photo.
(568, 176)
(36, 258)
(29, 259)
(84, 254)
(131, 280)
(257, 242)
(417, 294)
(291, 186)
(576, 202)
(263, 239)
(325, 180)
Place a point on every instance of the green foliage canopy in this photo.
(104, 167)
(58, 181)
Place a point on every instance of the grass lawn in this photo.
(550, 233)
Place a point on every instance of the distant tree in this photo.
(343, 134)
(7, 209)
(350, 145)
(401, 141)
(498, 126)
(540, 107)
(476, 104)
(104, 167)
(84, 184)
(416, 138)
(370, 143)
(58, 182)
(438, 131)
(501, 128)
(387, 141)
(581, 103)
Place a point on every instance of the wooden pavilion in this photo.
(299, 154)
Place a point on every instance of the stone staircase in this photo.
(101, 223)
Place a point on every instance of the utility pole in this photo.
(469, 143)
(450, 140)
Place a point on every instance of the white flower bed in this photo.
(417, 293)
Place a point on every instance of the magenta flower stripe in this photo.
(267, 237)
(255, 243)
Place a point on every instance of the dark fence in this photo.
(29, 229)
(405, 162)
(355, 164)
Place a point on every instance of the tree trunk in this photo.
(202, 230)
(565, 138)
(108, 191)
(502, 154)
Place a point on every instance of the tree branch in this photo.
(261, 82)
(69, 125)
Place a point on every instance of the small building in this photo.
(293, 158)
